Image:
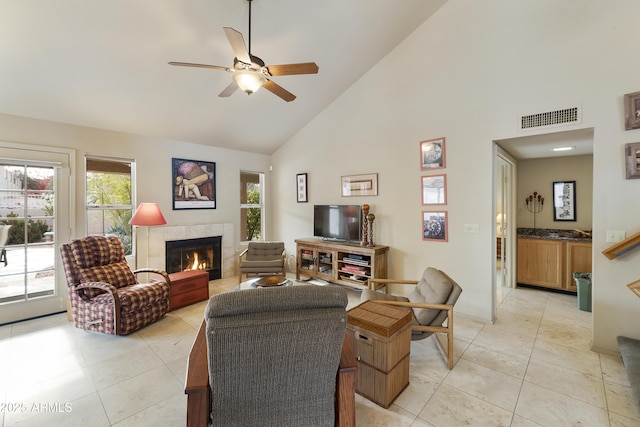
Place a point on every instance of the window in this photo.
(251, 203)
(109, 195)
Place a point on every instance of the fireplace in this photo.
(203, 253)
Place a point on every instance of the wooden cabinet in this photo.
(551, 263)
(540, 262)
(578, 260)
(343, 263)
(188, 287)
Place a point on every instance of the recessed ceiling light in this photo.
(563, 148)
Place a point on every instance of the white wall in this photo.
(467, 74)
(153, 165)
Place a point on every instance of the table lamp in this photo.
(147, 215)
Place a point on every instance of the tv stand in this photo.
(340, 262)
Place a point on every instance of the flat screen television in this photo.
(338, 222)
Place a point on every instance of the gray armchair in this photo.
(431, 301)
(262, 258)
(273, 357)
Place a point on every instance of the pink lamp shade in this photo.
(147, 214)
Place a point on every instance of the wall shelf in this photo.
(623, 247)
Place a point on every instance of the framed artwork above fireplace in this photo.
(194, 184)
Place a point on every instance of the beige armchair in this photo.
(262, 258)
(431, 301)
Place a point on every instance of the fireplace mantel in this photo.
(151, 243)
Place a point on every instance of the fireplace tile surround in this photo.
(151, 243)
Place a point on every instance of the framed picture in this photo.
(632, 111)
(632, 160)
(564, 201)
(434, 190)
(432, 154)
(194, 184)
(434, 226)
(301, 188)
(360, 185)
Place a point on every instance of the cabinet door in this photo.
(540, 262)
(306, 260)
(324, 264)
(578, 260)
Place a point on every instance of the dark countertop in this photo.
(553, 234)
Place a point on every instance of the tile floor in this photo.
(533, 367)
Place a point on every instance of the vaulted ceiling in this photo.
(103, 64)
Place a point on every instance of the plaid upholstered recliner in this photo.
(104, 293)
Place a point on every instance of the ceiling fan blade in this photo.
(278, 90)
(189, 64)
(290, 69)
(237, 44)
(229, 89)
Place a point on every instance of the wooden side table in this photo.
(188, 287)
(381, 337)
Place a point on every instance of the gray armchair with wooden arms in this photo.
(262, 258)
(431, 301)
(273, 357)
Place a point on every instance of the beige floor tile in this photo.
(86, 411)
(167, 413)
(505, 361)
(452, 407)
(578, 385)
(486, 384)
(549, 408)
(99, 347)
(519, 421)
(368, 414)
(130, 397)
(613, 369)
(420, 389)
(179, 368)
(572, 358)
(57, 391)
(622, 421)
(518, 322)
(621, 401)
(502, 338)
(557, 331)
(123, 367)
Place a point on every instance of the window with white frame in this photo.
(109, 197)
(251, 206)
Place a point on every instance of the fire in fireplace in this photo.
(203, 253)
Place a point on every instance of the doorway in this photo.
(34, 213)
(534, 163)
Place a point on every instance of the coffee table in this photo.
(253, 283)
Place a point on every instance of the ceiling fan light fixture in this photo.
(249, 80)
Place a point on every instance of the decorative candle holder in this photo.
(365, 225)
(370, 218)
(535, 203)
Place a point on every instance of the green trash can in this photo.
(583, 282)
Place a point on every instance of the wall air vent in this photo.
(565, 116)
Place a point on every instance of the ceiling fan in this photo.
(250, 72)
